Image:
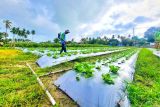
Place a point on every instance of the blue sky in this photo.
(84, 18)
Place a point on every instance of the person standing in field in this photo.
(62, 37)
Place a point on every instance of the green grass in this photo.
(145, 89)
(18, 86)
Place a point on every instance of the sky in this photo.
(84, 18)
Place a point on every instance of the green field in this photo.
(145, 89)
(18, 86)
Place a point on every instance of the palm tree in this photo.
(20, 34)
(7, 25)
(33, 33)
(24, 35)
(17, 32)
(28, 32)
(13, 30)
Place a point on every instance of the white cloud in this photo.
(83, 18)
(128, 12)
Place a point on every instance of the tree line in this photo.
(19, 34)
(116, 41)
(151, 35)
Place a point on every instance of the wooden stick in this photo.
(42, 85)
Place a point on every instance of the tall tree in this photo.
(149, 34)
(14, 31)
(24, 33)
(157, 39)
(33, 33)
(56, 40)
(18, 32)
(7, 26)
(113, 36)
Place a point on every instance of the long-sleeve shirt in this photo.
(63, 38)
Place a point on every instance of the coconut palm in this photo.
(13, 30)
(7, 26)
(24, 35)
(17, 31)
(33, 33)
(28, 32)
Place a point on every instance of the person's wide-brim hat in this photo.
(67, 31)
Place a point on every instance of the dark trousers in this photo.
(63, 45)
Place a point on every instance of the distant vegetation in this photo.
(22, 37)
(19, 34)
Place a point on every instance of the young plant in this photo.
(75, 53)
(69, 54)
(99, 60)
(62, 55)
(48, 54)
(123, 61)
(113, 69)
(85, 69)
(77, 78)
(107, 78)
(98, 67)
(42, 51)
(105, 64)
(55, 56)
